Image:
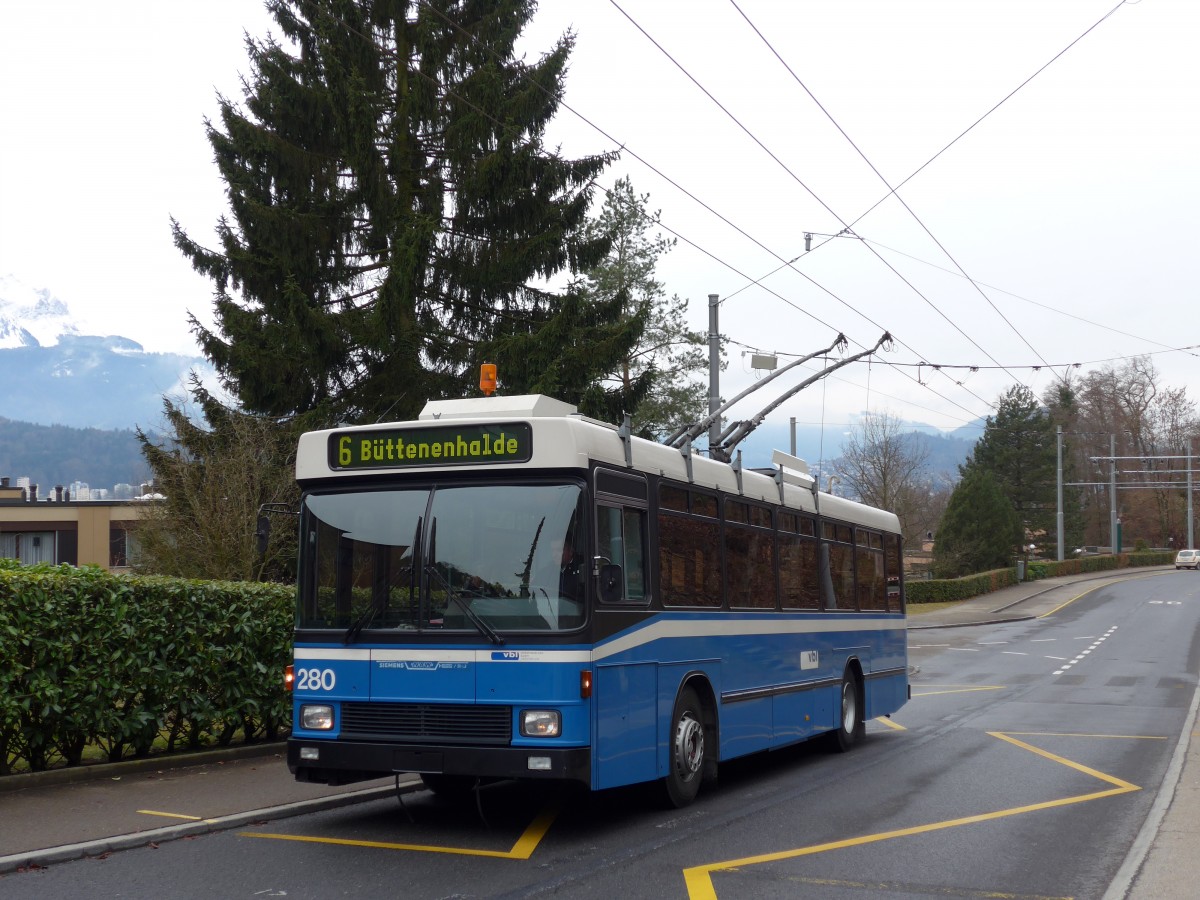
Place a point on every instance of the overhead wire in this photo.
(1044, 306)
(891, 190)
(625, 149)
(800, 181)
(935, 156)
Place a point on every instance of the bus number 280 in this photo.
(315, 679)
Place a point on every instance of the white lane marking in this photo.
(1083, 655)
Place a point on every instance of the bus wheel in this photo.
(450, 787)
(687, 751)
(851, 725)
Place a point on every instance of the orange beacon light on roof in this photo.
(487, 378)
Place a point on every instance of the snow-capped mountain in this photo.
(57, 371)
(32, 317)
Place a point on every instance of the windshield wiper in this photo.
(362, 621)
(477, 620)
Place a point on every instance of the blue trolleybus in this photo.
(507, 589)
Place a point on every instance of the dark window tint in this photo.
(893, 563)
(871, 593)
(704, 504)
(672, 498)
(798, 584)
(750, 567)
(689, 563)
(841, 576)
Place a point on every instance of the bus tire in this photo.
(449, 787)
(852, 727)
(687, 751)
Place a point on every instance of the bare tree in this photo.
(1126, 407)
(215, 471)
(885, 467)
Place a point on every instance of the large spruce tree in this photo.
(396, 217)
(1018, 447)
(980, 530)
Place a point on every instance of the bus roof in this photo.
(538, 432)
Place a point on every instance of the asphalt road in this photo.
(1025, 766)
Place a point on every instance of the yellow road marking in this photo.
(699, 878)
(1122, 737)
(167, 815)
(522, 849)
(1096, 588)
(959, 690)
(884, 720)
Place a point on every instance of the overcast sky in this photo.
(1071, 207)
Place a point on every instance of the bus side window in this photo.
(621, 538)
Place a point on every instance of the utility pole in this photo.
(714, 371)
(1060, 496)
(1191, 546)
(1112, 491)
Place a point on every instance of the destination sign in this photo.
(443, 445)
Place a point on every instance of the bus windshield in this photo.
(482, 558)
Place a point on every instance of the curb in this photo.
(972, 623)
(101, 846)
(92, 771)
(1139, 850)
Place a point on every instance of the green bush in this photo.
(88, 658)
(943, 590)
(951, 589)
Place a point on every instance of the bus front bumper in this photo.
(345, 762)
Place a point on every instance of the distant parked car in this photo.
(1187, 559)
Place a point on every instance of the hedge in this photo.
(951, 589)
(92, 659)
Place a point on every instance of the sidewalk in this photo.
(50, 817)
(71, 813)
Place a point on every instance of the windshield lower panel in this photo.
(408, 560)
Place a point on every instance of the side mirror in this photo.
(612, 583)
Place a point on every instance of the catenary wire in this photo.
(963, 134)
(800, 181)
(624, 148)
(891, 190)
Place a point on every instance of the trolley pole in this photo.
(714, 371)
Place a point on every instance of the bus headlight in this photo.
(541, 722)
(316, 717)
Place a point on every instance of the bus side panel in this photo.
(746, 726)
(797, 715)
(626, 723)
(885, 694)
